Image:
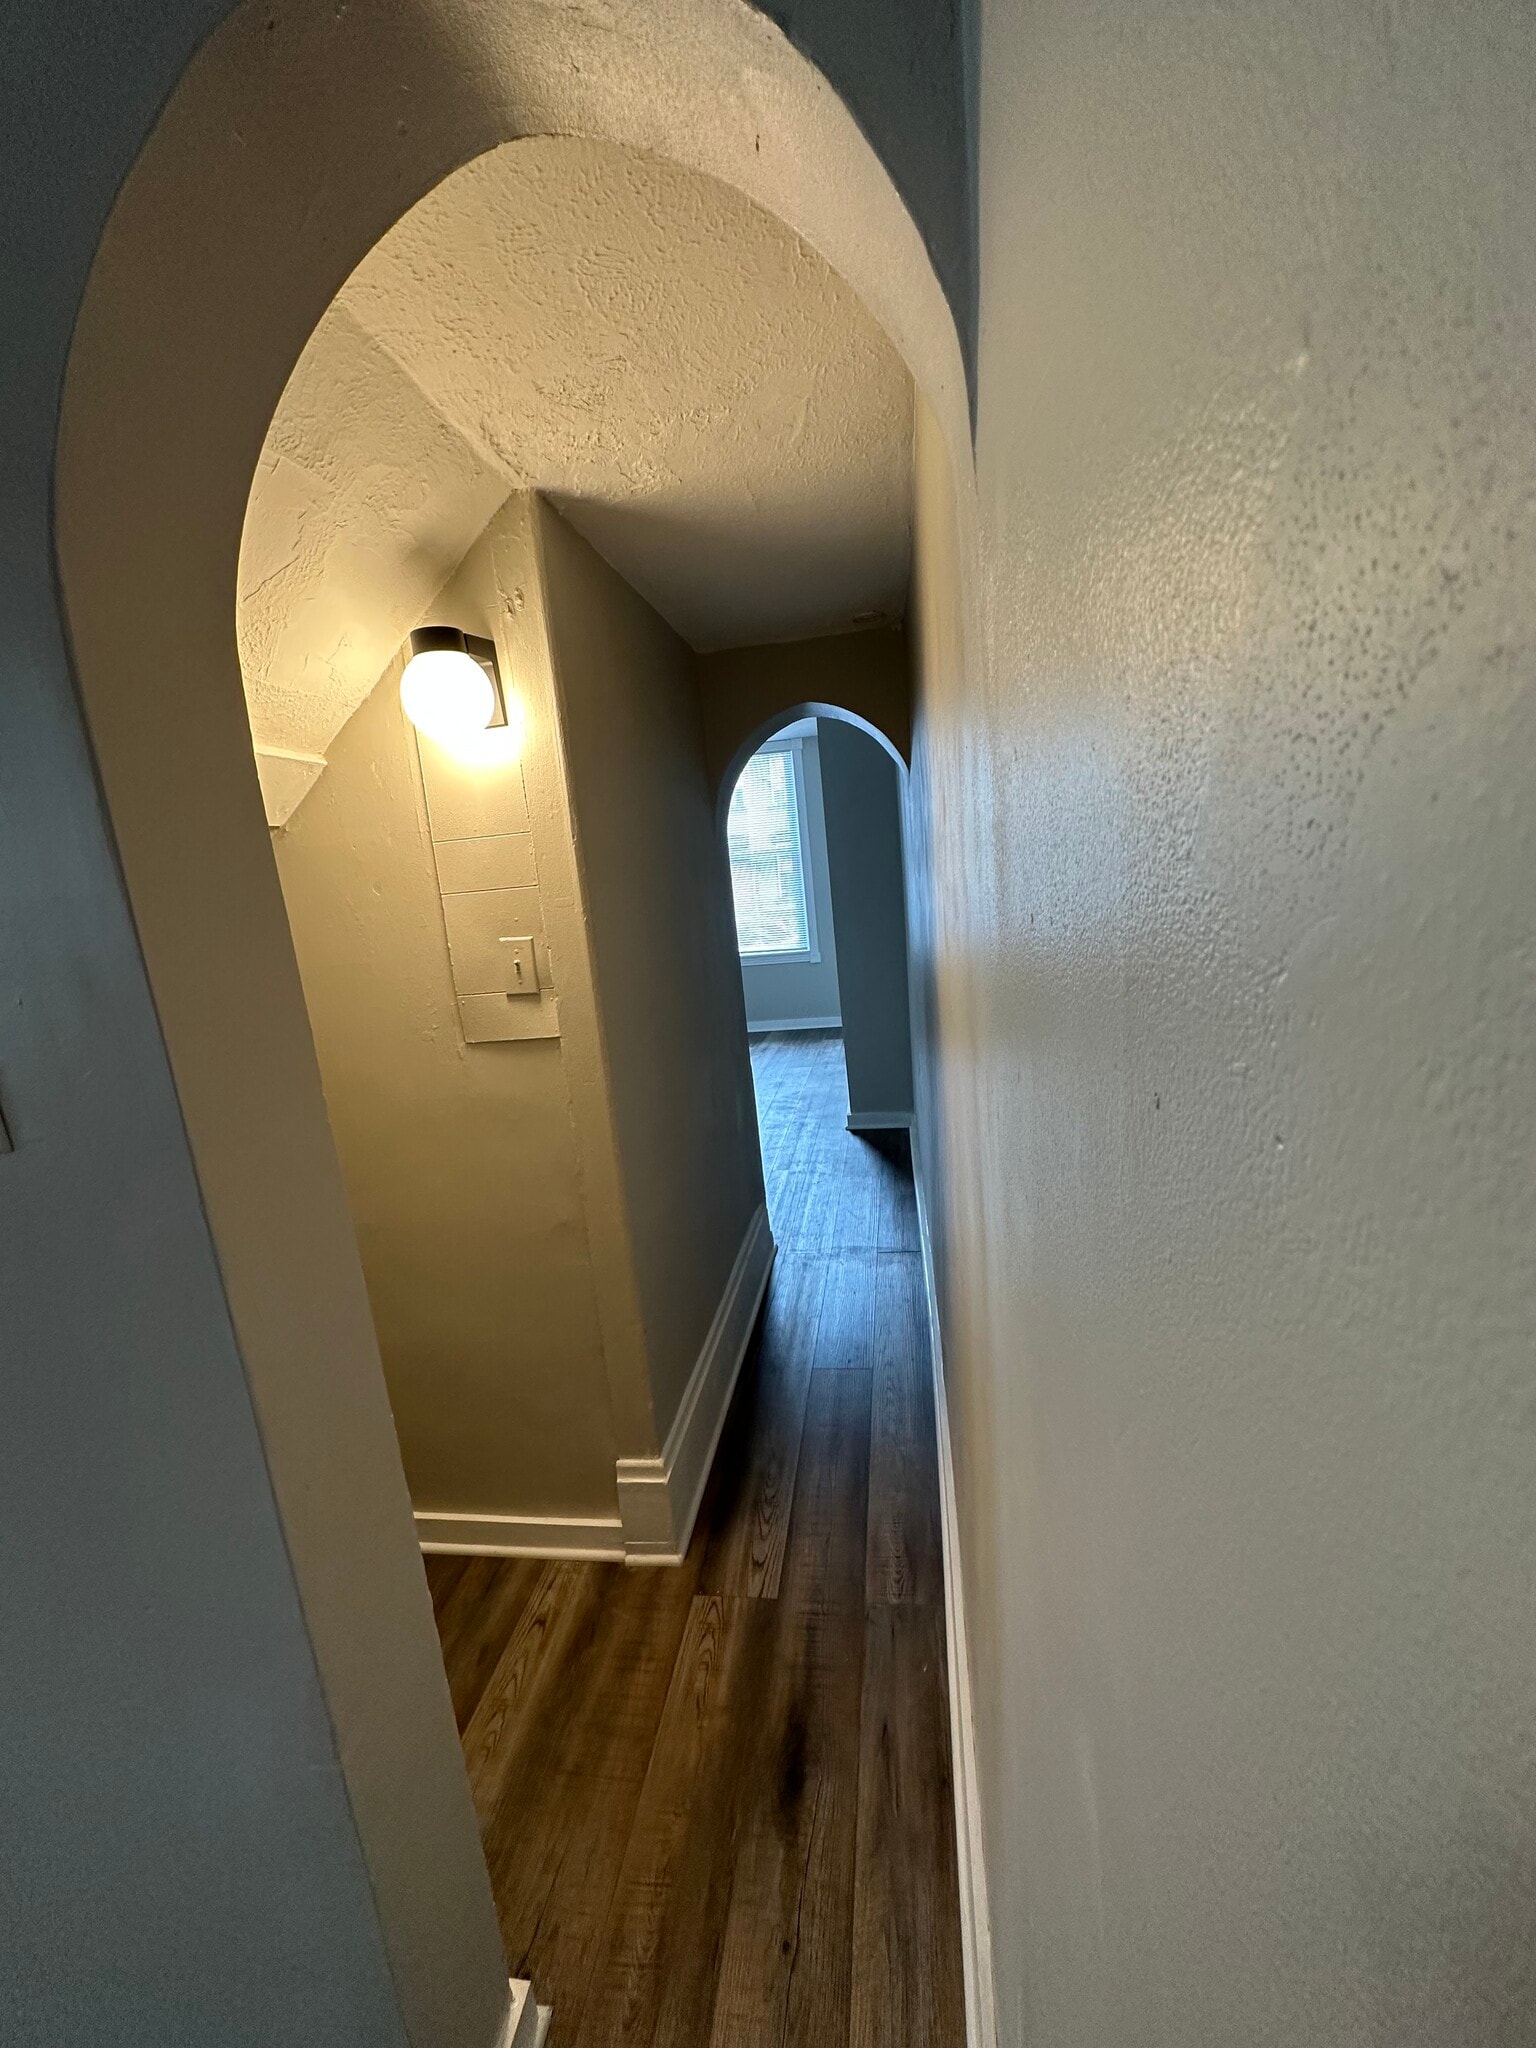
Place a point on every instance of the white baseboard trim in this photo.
(795, 1024)
(659, 1497)
(526, 2022)
(879, 1119)
(975, 1916)
(595, 1541)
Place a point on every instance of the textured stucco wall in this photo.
(657, 900)
(1234, 848)
(364, 502)
(699, 391)
(706, 399)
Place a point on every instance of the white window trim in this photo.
(808, 955)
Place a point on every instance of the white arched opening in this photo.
(291, 145)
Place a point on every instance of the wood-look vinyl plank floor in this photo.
(481, 1606)
(715, 1800)
(906, 1894)
(786, 1963)
(905, 1558)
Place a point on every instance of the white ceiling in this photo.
(701, 395)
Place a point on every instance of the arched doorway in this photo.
(292, 143)
(826, 792)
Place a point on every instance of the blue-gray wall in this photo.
(181, 1862)
(861, 793)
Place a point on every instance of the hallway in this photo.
(715, 1799)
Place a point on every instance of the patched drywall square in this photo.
(486, 1019)
(471, 802)
(482, 926)
(504, 861)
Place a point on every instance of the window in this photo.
(770, 874)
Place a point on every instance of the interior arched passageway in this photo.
(876, 729)
(294, 140)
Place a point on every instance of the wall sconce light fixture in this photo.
(451, 688)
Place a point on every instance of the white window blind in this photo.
(765, 833)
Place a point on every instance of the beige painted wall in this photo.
(746, 692)
(461, 1161)
(657, 894)
(547, 1226)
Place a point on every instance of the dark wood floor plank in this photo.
(907, 1984)
(820, 1194)
(846, 1329)
(477, 1620)
(513, 1717)
(905, 1552)
(570, 1769)
(658, 1963)
(786, 1962)
(863, 1195)
(750, 1508)
(443, 1573)
(825, 1556)
(898, 1215)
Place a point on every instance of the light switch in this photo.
(522, 968)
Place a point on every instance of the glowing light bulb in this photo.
(448, 695)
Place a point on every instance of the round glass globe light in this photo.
(447, 694)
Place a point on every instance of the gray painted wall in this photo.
(1230, 805)
(780, 992)
(862, 792)
(182, 1862)
(1232, 841)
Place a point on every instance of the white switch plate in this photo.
(522, 968)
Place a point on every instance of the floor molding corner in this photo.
(879, 1119)
(975, 1915)
(766, 1025)
(659, 1497)
(527, 2022)
(592, 1541)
